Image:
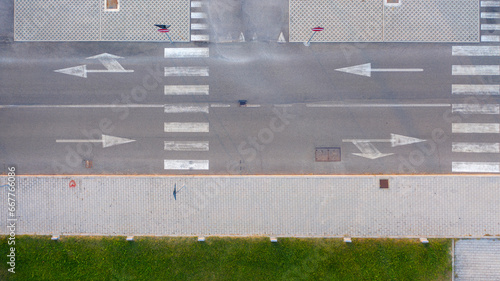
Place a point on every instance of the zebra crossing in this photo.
(481, 107)
(490, 13)
(184, 130)
(199, 26)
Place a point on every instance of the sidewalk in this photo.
(298, 206)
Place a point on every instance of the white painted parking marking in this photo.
(186, 71)
(186, 53)
(485, 15)
(186, 164)
(220, 105)
(196, 4)
(198, 15)
(475, 51)
(186, 108)
(184, 90)
(490, 38)
(476, 70)
(490, 3)
(458, 89)
(490, 26)
(186, 145)
(186, 127)
(471, 128)
(475, 167)
(200, 37)
(476, 147)
(476, 108)
(252, 105)
(84, 106)
(199, 26)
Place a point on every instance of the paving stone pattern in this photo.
(372, 21)
(72, 20)
(317, 206)
(477, 259)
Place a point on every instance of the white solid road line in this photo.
(475, 51)
(476, 70)
(198, 15)
(186, 53)
(196, 4)
(186, 164)
(476, 147)
(85, 106)
(457, 89)
(490, 26)
(186, 71)
(490, 38)
(490, 3)
(186, 145)
(485, 15)
(476, 108)
(200, 37)
(379, 105)
(479, 128)
(220, 105)
(184, 90)
(199, 26)
(186, 127)
(186, 108)
(475, 167)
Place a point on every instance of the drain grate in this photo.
(327, 154)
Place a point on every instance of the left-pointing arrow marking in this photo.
(80, 71)
(108, 60)
(366, 69)
(106, 140)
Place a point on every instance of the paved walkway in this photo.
(477, 260)
(89, 20)
(302, 206)
(377, 21)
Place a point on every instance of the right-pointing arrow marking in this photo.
(107, 141)
(366, 69)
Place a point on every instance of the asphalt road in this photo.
(297, 101)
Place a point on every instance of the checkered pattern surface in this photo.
(317, 206)
(432, 21)
(371, 21)
(72, 20)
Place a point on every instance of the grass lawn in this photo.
(113, 258)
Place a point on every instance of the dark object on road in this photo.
(242, 103)
(327, 154)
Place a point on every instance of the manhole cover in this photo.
(327, 154)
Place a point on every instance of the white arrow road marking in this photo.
(395, 140)
(108, 60)
(476, 147)
(186, 108)
(186, 146)
(366, 69)
(475, 70)
(475, 51)
(368, 150)
(186, 71)
(186, 127)
(184, 90)
(472, 128)
(475, 167)
(186, 53)
(458, 89)
(476, 108)
(186, 164)
(107, 141)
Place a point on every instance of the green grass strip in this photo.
(113, 258)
